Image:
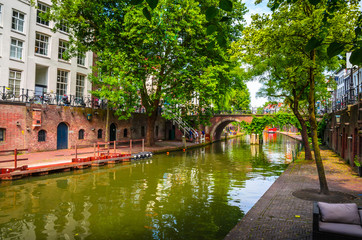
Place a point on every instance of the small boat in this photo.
(272, 130)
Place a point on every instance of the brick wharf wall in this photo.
(22, 125)
(345, 138)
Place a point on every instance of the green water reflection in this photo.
(200, 194)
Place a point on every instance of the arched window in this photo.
(81, 134)
(42, 136)
(100, 133)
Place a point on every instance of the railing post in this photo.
(94, 150)
(143, 145)
(15, 158)
(98, 150)
(130, 146)
(114, 146)
(76, 152)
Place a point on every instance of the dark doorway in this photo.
(113, 132)
(171, 133)
(62, 136)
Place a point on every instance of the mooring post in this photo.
(143, 145)
(15, 157)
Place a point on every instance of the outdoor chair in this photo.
(337, 221)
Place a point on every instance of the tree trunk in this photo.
(151, 120)
(304, 133)
(313, 122)
(106, 138)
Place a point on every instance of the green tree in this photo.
(295, 41)
(168, 58)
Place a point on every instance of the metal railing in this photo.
(49, 98)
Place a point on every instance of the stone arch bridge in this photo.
(219, 122)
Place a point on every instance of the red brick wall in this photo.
(74, 117)
(12, 119)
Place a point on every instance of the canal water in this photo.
(197, 194)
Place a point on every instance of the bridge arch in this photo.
(217, 128)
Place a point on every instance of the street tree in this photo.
(162, 55)
(294, 42)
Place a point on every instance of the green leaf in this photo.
(274, 6)
(334, 49)
(312, 44)
(226, 5)
(356, 57)
(136, 2)
(210, 45)
(358, 31)
(221, 40)
(146, 13)
(211, 29)
(314, 2)
(152, 3)
(225, 19)
(211, 12)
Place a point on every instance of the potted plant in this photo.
(358, 164)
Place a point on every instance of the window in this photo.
(79, 88)
(63, 27)
(42, 136)
(100, 132)
(125, 132)
(62, 82)
(142, 131)
(42, 8)
(18, 21)
(81, 59)
(14, 82)
(63, 46)
(16, 49)
(81, 134)
(2, 134)
(41, 44)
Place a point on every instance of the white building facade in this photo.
(32, 55)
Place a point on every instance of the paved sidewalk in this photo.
(37, 159)
(280, 215)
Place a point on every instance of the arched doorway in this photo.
(62, 136)
(113, 132)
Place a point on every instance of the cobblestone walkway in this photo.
(280, 215)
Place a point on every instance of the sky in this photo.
(255, 85)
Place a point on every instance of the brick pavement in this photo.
(280, 215)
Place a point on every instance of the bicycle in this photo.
(7, 94)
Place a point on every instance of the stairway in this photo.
(182, 125)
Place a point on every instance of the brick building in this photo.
(48, 127)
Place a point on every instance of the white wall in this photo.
(30, 59)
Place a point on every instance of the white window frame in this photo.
(63, 27)
(63, 46)
(81, 60)
(79, 86)
(62, 82)
(15, 81)
(41, 44)
(42, 8)
(1, 14)
(16, 48)
(17, 23)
